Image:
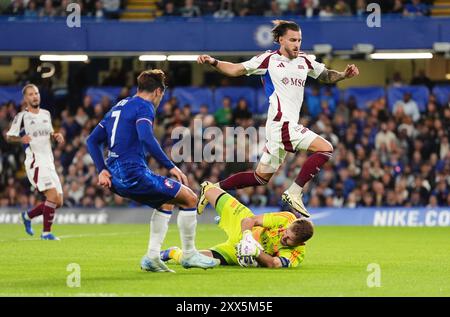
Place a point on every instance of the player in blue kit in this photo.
(127, 130)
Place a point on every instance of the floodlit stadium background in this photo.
(396, 176)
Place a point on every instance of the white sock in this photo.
(26, 216)
(295, 189)
(158, 229)
(44, 233)
(187, 223)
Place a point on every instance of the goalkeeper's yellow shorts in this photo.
(231, 213)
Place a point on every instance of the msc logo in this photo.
(293, 81)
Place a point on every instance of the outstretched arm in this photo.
(330, 76)
(227, 68)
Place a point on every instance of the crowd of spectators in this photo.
(99, 9)
(217, 8)
(305, 8)
(381, 158)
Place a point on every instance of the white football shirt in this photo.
(284, 82)
(39, 128)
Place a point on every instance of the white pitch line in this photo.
(70, 236)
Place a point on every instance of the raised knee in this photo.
(262, 179)
(330, 148)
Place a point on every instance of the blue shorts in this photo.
(142, 185)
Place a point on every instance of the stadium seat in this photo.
(420, 95)
(442, 94)
(235, 93)
(335, 91)
(193, 96)
(96, 93)
(262, 103)
(364, 95)
(13, 93)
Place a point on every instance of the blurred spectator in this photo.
(398, 7)
(224, 115)
(99, 12)
(313, 102)
(326, 12)
(241, 113)
(422, 79)
(309, 8)
(361, 8)
(274, 10)
(292, 8)
(225, 10)
(170, 10)
(416, 8)
(48, 10)
(342, 8)
(111, 8)
(31, 10)
(407, 106)
(190, 10)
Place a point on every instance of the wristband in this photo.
(214, 64)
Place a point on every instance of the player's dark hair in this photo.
(25, 88)
(280, 28)
(303, 230)
(150, 80)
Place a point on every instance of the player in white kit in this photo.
(284, 73)
(33, 128)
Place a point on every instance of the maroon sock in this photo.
(312, 167)
(49, 214)
(36, 211)
(241, 180)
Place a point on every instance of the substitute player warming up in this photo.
(284, 74)
(127, 130)
(33, 128)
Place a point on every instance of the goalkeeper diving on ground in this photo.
(272, 240)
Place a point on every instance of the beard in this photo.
(34, 104)
(293, 54)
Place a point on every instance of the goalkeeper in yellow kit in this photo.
(270, 240)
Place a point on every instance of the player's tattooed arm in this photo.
(330, 76)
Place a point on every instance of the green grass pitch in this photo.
(413, 262)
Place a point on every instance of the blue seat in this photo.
(235, 93)
(13, 93)
(262, 102)
(364, 95)
(193, 96)
(419, 93)
(97, 93)
(334, 91)
(442, 94)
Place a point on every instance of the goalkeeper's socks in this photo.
(187, 223)
(158, 229)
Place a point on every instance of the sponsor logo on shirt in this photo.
(41, 133)
(293, 81)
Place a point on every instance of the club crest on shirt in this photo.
(301, 67)
(285, 80)
(168, 183)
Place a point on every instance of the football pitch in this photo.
(339, 262)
